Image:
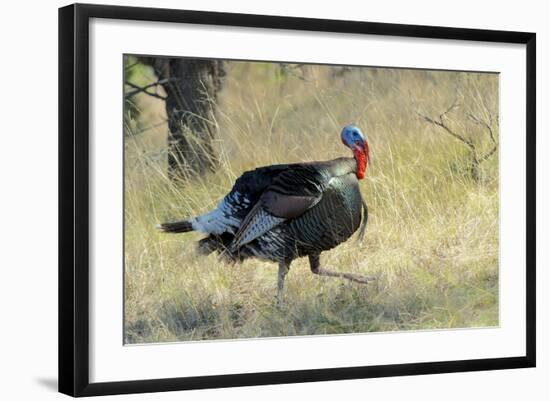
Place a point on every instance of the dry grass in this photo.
(432, 237)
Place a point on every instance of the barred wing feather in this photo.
(291, 193)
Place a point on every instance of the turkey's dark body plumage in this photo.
(327, 224)
(282, 212)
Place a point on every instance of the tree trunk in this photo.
(191, 87)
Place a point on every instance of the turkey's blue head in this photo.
(354, 139)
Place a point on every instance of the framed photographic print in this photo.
(250, 199)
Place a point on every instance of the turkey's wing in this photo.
(287, 206)
(294, 191)
(290, 194)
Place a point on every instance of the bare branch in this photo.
(129, 67)
(139, 89)
(489, 154)
(475, 161)
(440, 123)
(483, 124)
(487, 126)
(451, 108)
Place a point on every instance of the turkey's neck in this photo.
(348, 165)
(343, 166)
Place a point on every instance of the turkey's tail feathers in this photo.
(183, 226)
(210, 244)
(221, 244)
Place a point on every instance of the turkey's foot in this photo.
(316, 268)
(358, 278)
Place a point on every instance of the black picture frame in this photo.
(74, 198)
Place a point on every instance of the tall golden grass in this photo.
(432, 238)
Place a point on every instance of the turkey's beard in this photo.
(361, 154)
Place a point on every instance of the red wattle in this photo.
(361, 157)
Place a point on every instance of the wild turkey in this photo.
(282, 212)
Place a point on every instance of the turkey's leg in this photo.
(283, 270)
(316, 268)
